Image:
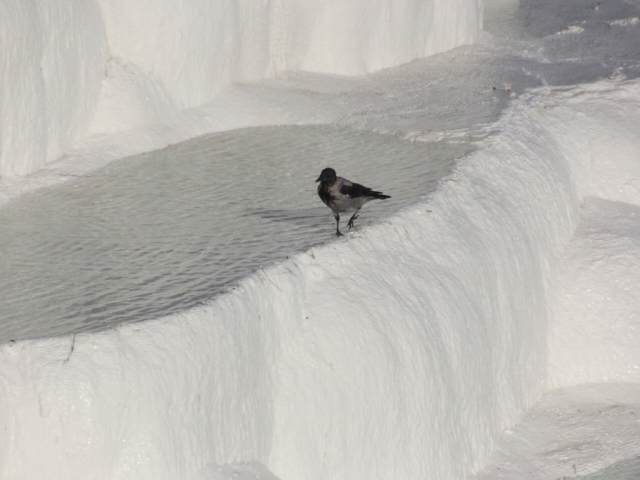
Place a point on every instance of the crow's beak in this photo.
(318, 179)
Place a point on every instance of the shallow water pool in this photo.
(160, 232)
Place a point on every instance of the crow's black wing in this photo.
(355, 190)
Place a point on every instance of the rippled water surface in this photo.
(162, 231)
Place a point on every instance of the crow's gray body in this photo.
(343, 196)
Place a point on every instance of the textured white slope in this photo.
(597, 333)
(197, 48)
(52, 58)
(589, 420)
(401, 351)
(571, 432)
(388, 34)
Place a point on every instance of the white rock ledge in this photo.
(395, 353)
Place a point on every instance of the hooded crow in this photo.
(343, 196)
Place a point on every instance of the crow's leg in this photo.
(336, 215)
(350, 224)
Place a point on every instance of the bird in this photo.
(343, 196)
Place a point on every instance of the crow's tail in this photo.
(378, 195)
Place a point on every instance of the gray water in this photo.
(163, 231)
